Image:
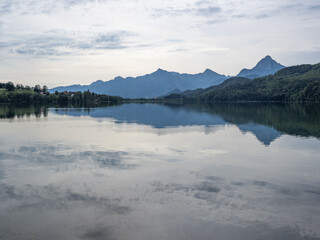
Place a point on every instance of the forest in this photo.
(19, 94)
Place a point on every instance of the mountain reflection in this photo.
(267, 121)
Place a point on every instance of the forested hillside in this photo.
(297, 83)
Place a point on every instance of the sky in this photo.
(64, 42)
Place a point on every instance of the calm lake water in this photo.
(149, 171)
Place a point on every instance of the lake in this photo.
(151, 171)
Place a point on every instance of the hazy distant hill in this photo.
(161, 83)
(297, 83)
(264, 67)
(156, 84)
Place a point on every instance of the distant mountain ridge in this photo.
(156, 84)
(161, 82)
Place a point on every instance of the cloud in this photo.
(55, 198)
(229, 11)
(262, 16)
(45, 44)
(202, 2)
(98, 232)
(10, 192)
(242, 15)
(108, 38)
(216, 21)
(208, 11)
(207, 188)
(43, 7)
(62, 43)
(284, 9)
(42, 52)
(5, 7)
(55, 157)
(112, 40)
(314, 7)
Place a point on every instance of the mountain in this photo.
(161, 82)
(264, 67)
(296, 83)
(156, 84)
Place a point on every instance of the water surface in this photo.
(150, 171)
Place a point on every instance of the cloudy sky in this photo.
(61, 42)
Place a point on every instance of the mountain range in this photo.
(161, 82)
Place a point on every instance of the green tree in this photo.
(19, 86)
(37, 89)
(45, 89)
(10, 86)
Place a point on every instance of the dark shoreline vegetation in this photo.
(19, 94)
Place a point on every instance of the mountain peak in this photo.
(264, 67)
(268, 57)
(118, 78)
(97, 82)
(268, 62)
(161, 70)
(208, 71)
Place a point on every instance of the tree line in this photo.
(19, 94)
(9, 86)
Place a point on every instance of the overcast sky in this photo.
(61, 42)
